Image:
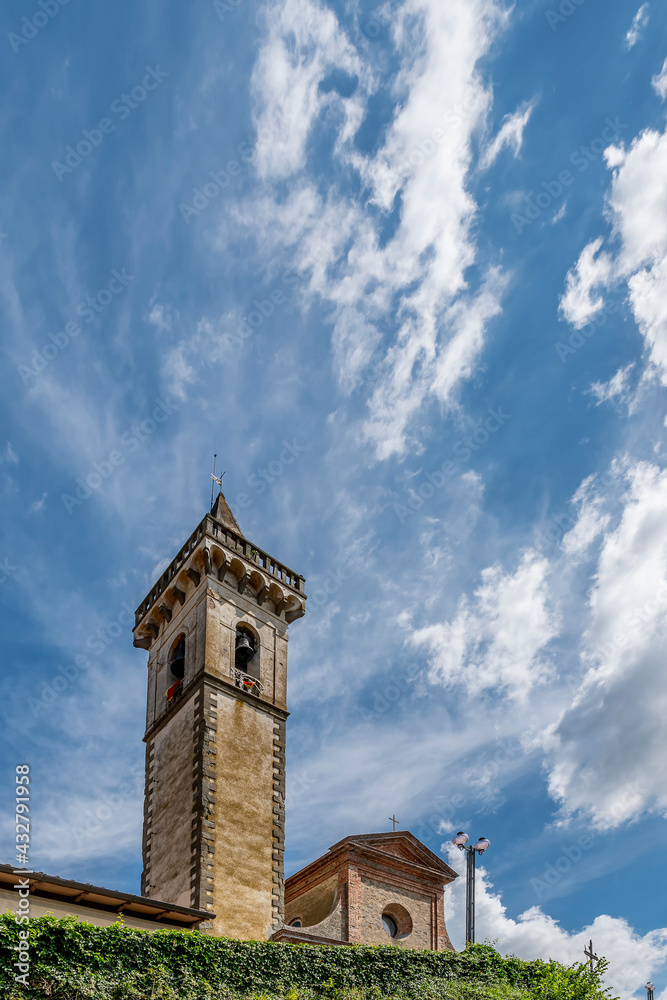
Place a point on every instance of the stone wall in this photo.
(368, 900)
(169, 810)
(249, 824)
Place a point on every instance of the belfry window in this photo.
(246, 671)
(246, 648)
(177, 659)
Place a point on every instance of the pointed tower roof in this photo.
(221, 511)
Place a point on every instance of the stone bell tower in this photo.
(215, 625)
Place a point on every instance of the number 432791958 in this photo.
(22, 812)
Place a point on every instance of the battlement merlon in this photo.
(216, 549)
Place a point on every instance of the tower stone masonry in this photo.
(215, 625)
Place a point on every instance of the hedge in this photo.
(62, 951)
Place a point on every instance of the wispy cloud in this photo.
(510, 135)
(639, 22)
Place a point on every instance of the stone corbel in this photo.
(165, 611)
(207, 561)
(179, 595)
(242, 583)
(298, 612)
(194, 576)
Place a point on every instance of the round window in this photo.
(396, 921)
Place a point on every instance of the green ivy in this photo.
(71, 960)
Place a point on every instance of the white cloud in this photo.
(159, 317)
(496, 641)
(38, 504)
(659, 82)
(639, 22)
(304, 43)
(176, 370)
(510, 134)
(591, 521)
(9, 455)
(616, 388)
(413, 287)
(607, 748)
(534, 934)
(582, 299)
(637, 209)
(560, 213)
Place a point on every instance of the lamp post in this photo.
(649, 991)
(461, 840)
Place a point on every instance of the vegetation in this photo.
(70, 960)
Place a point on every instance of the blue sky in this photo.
(419, 250)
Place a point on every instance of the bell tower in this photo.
(215, 627)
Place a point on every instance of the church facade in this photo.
(375, 888)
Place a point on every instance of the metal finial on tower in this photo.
(216, 480)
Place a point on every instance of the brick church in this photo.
(215, 626)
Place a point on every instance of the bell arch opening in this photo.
(177, 658)
(245, 651)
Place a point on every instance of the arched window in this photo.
(177, 659)
(245, 657)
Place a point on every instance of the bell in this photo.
(177, 667)
(244, 650)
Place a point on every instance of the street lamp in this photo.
(461, 840)
(649, 991)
